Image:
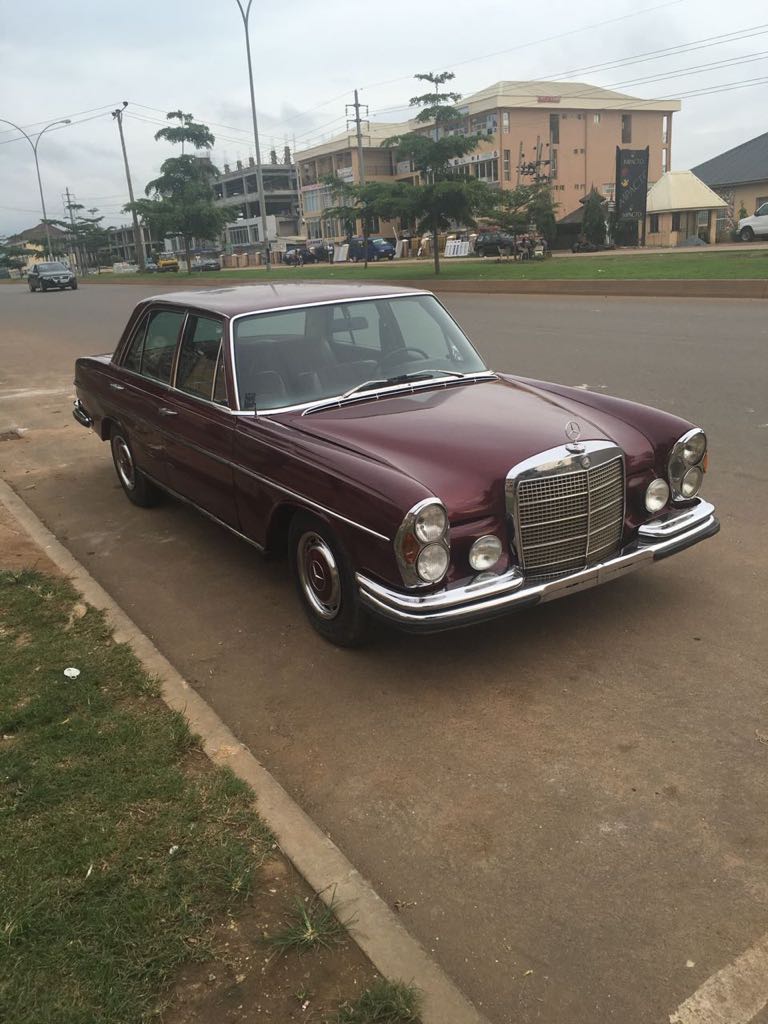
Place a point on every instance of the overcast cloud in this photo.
(63, 61)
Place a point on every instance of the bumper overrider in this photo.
(489, 595)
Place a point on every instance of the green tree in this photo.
(593, 224)
(181, 200)
(440, 199)
(12, 255)
(363, 202)
(85, 235)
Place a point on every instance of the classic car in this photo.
(355, 429)
(54, 274)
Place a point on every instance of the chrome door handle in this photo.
(116, 387)
(165, 411)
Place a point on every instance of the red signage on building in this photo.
(548, 99)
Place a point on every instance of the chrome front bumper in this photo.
(489, 595)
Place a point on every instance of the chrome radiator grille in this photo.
(570, 518)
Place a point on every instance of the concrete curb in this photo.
(682, 288)
(381, 936)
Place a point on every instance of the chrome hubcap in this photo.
(124, 463)
(319, 576)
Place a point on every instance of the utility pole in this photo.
(245, 13)
(70, 208)
(360, 165)
(138, 234)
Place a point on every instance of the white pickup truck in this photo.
(751, 228)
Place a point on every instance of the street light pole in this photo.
(34, 146)
(138, 234)
(245, 13)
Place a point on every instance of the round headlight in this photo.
(430, 523)
(694, 448)
(432, 563)
(691, 482)
(485, 552)
(656, 495)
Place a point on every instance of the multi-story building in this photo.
(339, 158)
(122, 244)
(237, 190)
(563, 132)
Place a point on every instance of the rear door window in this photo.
(160, 344)
(198, 357)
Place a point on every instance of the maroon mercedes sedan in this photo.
(356, 429)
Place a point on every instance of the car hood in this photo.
(56, 273)
(460, 441)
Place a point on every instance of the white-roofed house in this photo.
(681, 206)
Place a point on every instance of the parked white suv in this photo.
(754, 227)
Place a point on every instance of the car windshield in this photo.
(297, 356)
(51, 266)
(379, 241)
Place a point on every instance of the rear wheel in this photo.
(325, 582)
(137, 487)
(747, 235)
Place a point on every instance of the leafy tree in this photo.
(593, 225)
(541, 212)
(85, 235)
(181, 199)
(363, 202)
(439, 199)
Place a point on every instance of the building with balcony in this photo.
(237, 190)
(563, 133)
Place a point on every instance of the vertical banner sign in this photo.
(631, 183)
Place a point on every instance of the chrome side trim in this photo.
(488, 596)
(202, 511)
(236, 467)
(312, 504)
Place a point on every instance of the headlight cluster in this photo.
(687, 462)
(422, 544)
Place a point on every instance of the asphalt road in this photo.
(570, 803)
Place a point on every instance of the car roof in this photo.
(253, 298)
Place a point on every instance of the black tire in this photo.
(747, 235)
(73, 286)
(136, 487)
(325, 582)
(43, 286)
(32, 287)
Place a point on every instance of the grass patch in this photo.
(684, 265)
(119, 842)
(385, 1002)
(310, 924)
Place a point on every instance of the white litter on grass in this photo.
(71, 673)
(172, 850)
(89, 871)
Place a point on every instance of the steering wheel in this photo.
(399, 353)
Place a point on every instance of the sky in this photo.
(309, 56)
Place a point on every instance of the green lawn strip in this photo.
(663, 266)
(119, 842)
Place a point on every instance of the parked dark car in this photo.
(488, 243)
(205, 263)
(582, 245)
(45, 276)
(356, 429)
(299, 256)
(378, 249)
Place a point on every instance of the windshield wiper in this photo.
(401, 378)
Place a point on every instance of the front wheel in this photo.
(73, 286)
(325, 582)
(32, 287)
(747, 235)
(138, 489)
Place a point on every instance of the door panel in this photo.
(199, 439)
